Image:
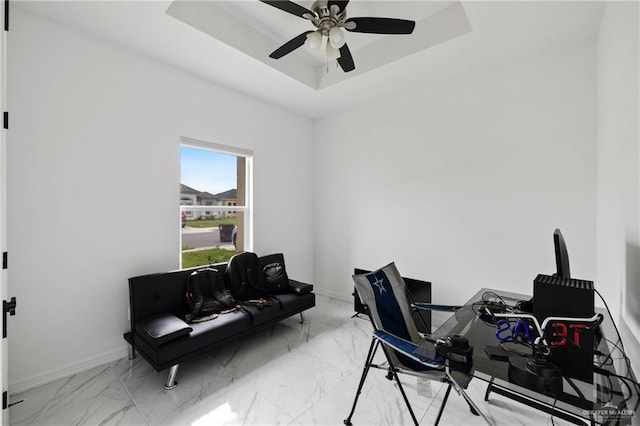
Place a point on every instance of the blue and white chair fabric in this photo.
(384, 294)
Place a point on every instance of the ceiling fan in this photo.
(330, 17)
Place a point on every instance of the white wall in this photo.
(93, 187)
(618, 233)
(462, 182)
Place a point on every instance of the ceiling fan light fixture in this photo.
(332, 52)
(336, 37)
(314, 39)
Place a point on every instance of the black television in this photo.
(562, 257)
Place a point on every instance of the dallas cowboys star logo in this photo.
(380, 284)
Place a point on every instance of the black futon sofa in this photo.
(161, 335)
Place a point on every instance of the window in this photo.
(215, 197)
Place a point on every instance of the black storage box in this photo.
(555, 296)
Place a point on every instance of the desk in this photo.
(605, 401)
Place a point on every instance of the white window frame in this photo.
(248, 181)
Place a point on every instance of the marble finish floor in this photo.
(291, 375)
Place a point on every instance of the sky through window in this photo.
(208, 171)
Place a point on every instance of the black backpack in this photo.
(244, 277)
(206, 294)
(275, 274)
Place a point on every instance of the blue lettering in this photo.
(522, 329)
(503, 326)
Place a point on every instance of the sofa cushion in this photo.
(263, 315)
(162, 328)
(205, 334)
(293, 303)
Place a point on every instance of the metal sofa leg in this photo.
(305, 326)
(132, 352)
(171, 379)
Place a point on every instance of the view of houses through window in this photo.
(213, 207)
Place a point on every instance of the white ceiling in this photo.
(257, 29)
(228, 42)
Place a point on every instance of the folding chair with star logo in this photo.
(384, 294)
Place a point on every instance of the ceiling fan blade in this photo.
(341, 4)
(290, 46)
(346, 60)
(288, 6)
(381, 25)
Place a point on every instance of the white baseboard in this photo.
(68, 370)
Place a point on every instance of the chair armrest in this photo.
(299, 287)
(162, 328)
(418, 353)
